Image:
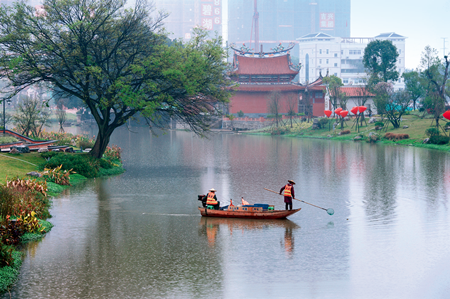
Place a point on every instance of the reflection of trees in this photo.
(144, 255)
(434, 170)
(380, 182)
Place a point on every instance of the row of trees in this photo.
(32, 114)
(117, 60)
(428, 84)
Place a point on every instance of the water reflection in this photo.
(140, 235)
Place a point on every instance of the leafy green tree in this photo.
(116, 60)
(380, 58)
(435, 73)
(414, 85)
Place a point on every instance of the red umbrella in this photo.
(354, 110)
(446, 114)
(328, 113)
(361, 109)
(344, 113)
(338, 111)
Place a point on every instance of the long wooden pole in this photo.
(329, 211)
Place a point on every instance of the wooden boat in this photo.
(250, 213)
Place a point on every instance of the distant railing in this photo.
(262, 119)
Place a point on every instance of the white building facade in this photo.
(320, 53)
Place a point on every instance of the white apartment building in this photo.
(342, 56)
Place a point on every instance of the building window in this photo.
(345, 81)
(399, 51)
(354, 52)
(335, 74)
(328, 52)
(320, 61)
(335, 64)
(335, 54)
(327, 61)
(342, 52)
(320, 51)
(399, 61)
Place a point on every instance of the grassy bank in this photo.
(16, 166)
(416, 131)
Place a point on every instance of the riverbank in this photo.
(413, 125)
(17, 166)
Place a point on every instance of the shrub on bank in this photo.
(323, 122)
(21, 201)
(57, 175)
(438, 139)
(112, 153)
(83, 164)
(432, 132)
(27, 196)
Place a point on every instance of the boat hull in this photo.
(276, 214)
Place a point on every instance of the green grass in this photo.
(416, 131)
(12, 165)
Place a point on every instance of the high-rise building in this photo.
(283, 21)
(184, 15)
(280, 21)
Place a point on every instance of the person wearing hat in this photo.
(288, 193)
(211, 199)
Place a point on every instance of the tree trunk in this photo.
(101, 142)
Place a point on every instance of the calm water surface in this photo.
(139, 235)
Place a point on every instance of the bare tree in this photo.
(436, 75)
(274, 106)
(60, 114)
(363, 96)
(291, 107)
(393, 104)
(31, 115)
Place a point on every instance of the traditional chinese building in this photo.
(265, 77)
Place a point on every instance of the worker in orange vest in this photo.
(211, 199)
(288, 193)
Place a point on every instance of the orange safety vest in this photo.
(287, 190)
(210, 199)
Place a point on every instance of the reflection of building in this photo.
(184, 15)
(263, 77)
(341, 56)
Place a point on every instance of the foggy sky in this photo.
(422, 22)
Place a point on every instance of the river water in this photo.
(139, 234)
